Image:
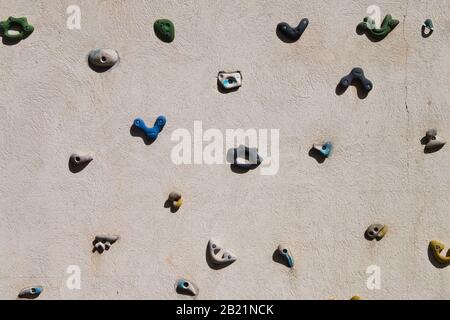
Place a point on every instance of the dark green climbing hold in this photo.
(368, 26)
(164, 30)
(20, 25)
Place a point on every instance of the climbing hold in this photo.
(229, 80)
(356, 74)
(103, 58)
(219, 255)
(428, 24)
(250, 155)
(80, 159)
(292, 34)
(153, 132)
(103, 242)
(30, 292)
(355, 298)
(433, 142)
(437, 247)
(368, 26)
(164, 30)
(184, 286)
(20, 27)
(176, 199)
(376, 231)
(286, 253)
(324, 149)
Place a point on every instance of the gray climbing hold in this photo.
(80, 159)
(184, 286)
(433, 141)
(103, 58)
(218, 255)
(104, 242)
(230, 80)
(286, 254)
(30, 292)
(376, 231)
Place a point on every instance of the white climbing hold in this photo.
(230, 80)
(104, 242)
(103, 58)
(219, 255)
(78, 159)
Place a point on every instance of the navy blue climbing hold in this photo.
(284, 30)
(151, 133)
(356, 74)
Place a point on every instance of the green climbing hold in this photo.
(368, 25)
(164, 30)
(20, 25)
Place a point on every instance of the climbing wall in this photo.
(52, 104)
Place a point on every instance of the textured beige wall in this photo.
(52, 104)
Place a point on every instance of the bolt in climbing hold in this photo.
(250, 155)
(230, 80)
(103, 58)
(376, 231)
(219, 255)
(368, 26)
(184, 286)
(428, 24)
(356, 74)
(104, 242)
(437, 247)
(286, 253)
(164, 30)
(324, 149)
(176, 199)
(80, 159)
(153, 132)
(30, 292)
(20, 25)
(433, 142)
(292, 34)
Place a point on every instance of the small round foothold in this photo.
(428, 24)
(30, 292)
(186, 287)
(355, 298)
(103, 58)
(176, 199)
(376, 231)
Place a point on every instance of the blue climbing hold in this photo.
(153, 132)
(325, 149)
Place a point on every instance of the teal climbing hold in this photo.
(368, 26)
(164, 30)
(20, 26)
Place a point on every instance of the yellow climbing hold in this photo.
(437, 247)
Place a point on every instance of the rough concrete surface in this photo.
(52, 105)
